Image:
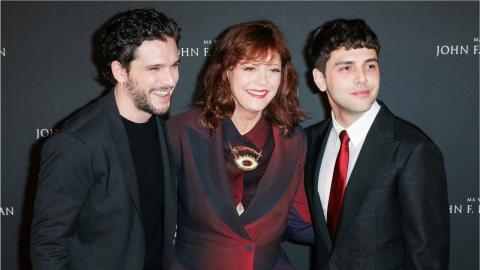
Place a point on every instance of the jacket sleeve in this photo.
(300, 226)
(424, 207)
(64, 180)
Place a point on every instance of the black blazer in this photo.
(395, 211)
(87, 208)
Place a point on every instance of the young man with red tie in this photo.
(376, 184)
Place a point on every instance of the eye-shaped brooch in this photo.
(244, 157)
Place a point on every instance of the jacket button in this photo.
(249, 247)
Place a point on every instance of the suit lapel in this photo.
(207, 154)
(169, 183)
(129, 174)
(277, 177)
(378, 143)
(119, 137)
(316, 148)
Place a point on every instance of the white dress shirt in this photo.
(357, 132)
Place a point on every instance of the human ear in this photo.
(319, 79)
(119, 72)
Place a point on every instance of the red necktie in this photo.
(338, 185)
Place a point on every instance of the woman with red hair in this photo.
(240, 157)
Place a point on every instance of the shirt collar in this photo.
(358, 130)
(257, 135)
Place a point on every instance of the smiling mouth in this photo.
(161, 93)
(361, 93)
(257, 93)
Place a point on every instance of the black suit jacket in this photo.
(87, 210)
(395, 209)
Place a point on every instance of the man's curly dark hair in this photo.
(126, 31)
(337, 33)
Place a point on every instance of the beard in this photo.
(140, 99)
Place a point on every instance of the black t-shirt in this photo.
(146, 154)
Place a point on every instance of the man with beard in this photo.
(106, 195)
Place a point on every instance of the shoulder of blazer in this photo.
(318, 128)
(93, 123)
(407, 131)
(177, 124)
(316, 132)
(297, 131)
(403, 130)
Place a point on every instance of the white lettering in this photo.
(455, 209)
(3, 52)
(194, 52)
(476, 49)
(188, 52)
(43, 132)
(184, 52)
(441, 50)
(452, 50)
(6, 211)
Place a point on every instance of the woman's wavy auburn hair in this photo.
(250, 41)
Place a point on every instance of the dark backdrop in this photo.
(48, 71)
